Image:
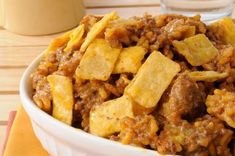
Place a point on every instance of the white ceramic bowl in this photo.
(60, 139)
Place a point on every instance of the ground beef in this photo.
(89, 21)
(185, 99)
(140, 131)
(68, 65)
(42, 96)
(222, 105)
(90, 93)
(163, 20)
(224, 62)
(87, 95)
(122, 82)
(121, 32)
(205, 136)
(153, 33)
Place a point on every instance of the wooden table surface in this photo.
(16, 51)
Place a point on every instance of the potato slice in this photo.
(75, 38)
(208, 76)
(98, 61)
(97, 28)
(225, 30)
(58, 42)
(105, 118)
(197, 50)
(152, 79)
(129, 60)
(62, 97)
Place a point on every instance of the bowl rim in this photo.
(57, 128)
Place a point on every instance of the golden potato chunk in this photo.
(62, 97)
(75, 38)
(222, 105)
(98, 61)
(152, 79)
(208, 76)
(97, 28)
(129, 60)
(225, 30)
(105, 118)
(197, 50)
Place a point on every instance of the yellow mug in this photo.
(40, 17)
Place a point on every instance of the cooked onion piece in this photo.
(208, 76)
(152, 79)
(98, 61)
(97, 28)
(197, 50)
(62, 97)
(129, 60)
(105, 118)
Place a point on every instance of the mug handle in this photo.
(1, 13)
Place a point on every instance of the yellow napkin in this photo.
(22, 140)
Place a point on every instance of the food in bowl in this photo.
(165, 83)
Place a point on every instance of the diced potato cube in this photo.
(62, 97)
(105, 118)
(97, 28)
(152, 79)
(75, 38)
(225, 29)
(208, 76)
(98, 61)
(197, 50)
(129, 60)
